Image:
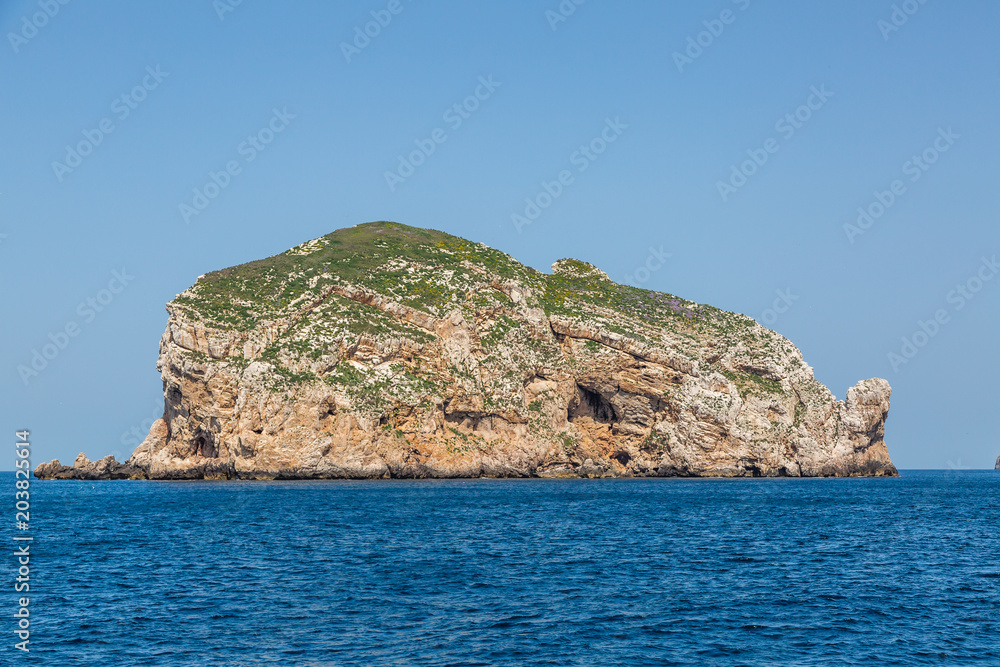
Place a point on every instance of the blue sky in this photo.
(840, 104)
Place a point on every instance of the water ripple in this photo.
(519, 572)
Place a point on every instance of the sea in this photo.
(728, 572)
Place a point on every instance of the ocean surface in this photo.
(513, 572)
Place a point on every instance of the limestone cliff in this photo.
(388, 351)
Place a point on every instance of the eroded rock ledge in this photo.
(83, 468)
(385, 351)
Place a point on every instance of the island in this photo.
(386, 351)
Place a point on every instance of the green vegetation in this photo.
(569, 442)
(654, 442)
(751, 383)
(432, 272)
(385, 288)
(800, 413)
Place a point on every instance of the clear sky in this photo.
(737, 137)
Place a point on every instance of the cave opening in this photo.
(204, 446)
(591, 404)
(622, 457)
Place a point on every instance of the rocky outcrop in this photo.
(84, 468)
(997, 466)
(387, 351)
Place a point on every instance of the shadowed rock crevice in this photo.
(591, 404)
(204, 446)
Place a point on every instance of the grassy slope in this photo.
(437, 273)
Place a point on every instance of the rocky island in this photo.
(387, 351)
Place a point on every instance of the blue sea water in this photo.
(514, 572)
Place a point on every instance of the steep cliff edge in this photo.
(384, 350)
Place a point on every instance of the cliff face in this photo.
(389, 351)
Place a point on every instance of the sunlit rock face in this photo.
(384, 350)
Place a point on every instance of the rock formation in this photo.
(84, 468)
(389, 351)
